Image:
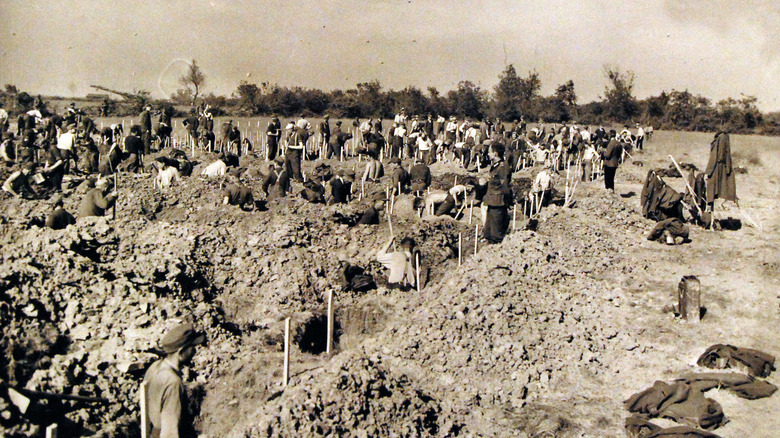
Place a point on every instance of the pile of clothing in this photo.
(663, 204)
(683, 400)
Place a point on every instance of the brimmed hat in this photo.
(181, 336)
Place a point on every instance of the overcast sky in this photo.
(717, 48)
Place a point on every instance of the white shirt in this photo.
(3, 115)
(640, 132)
(542, 182)
(452, 126)
(400, 131)
(400, 118)
(217, 168)
(304, 124)
(424, 144)
(167, 176)
(66, 141)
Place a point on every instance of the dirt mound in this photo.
(355, 396)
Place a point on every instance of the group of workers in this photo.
(54, 151)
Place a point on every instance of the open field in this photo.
(544, 334)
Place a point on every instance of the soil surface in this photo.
(544, 334)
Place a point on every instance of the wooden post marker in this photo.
(514, 218)
(471, 211)
(144, 410)
(286, 373)
(329, 345)
(460, 249)
(51, 431)
(689, 298)
(476, 238)
(417, 258)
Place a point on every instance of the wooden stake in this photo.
(514, 218)
(688, 186)
(476, 238)
(144, 411)
(417, 257)
(329, 345)
(51, 431)
(471, 211)
(286, 371)
(460, 249)
(116, 187)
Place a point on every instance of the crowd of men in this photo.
(52, 151)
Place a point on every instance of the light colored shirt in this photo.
(303, 124)
(400, 265)
(542, 182)
(165, 399)
(424, 144)
(167, 176)
(217, 168)
(66, 141)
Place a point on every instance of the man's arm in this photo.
(8, 185)
(382, 256)
(170, 411)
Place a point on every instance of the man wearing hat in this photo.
(341, 187)
(146, 129)
(274, 133)
(324, 129)
(66, 143)
(167, 412)
(96, 202)
(452, 129)
(337, 141)
(59, 218)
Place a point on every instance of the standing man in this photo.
(146, 129)
(3, 121)
(166, 399)
(192, 123)
(324, 130)
(294, 155)
(274, 133)
(611, 156)
(640, 137)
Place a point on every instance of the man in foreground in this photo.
(166, 399)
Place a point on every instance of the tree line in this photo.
(513, 97)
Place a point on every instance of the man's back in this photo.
(166, 400)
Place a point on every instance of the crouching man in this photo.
(400, 264)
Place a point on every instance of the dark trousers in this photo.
(273, 148)
(292, 162)
(146, 137)
(587, 170)
(609, 177)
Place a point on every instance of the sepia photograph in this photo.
(389, 218)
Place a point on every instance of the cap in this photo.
(181, 336)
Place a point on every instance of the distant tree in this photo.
(23, 101)
(467, 100)
(436, 103)
(371, 99)
(566, 101)
(509, 95)
(193, 80)
(248, 97)
(655, 108)
(411, 98)
(621, 104)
